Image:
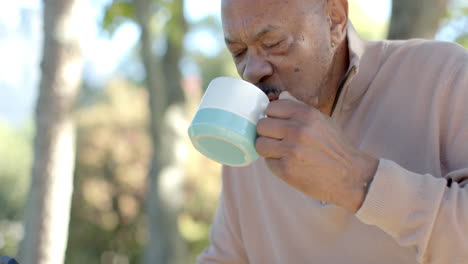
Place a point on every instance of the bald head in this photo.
(257, 7)
(277, 3)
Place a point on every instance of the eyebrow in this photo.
(263, 31)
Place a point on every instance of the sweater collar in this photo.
(365, 59)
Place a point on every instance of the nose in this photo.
(256, 68)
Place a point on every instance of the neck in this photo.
(339, 68)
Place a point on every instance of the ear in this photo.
(338, 20)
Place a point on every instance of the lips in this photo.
(271, 91)
(272, 96)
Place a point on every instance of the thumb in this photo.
(287, 95)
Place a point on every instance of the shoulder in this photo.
(427, 53)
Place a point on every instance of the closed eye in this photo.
(238, 54)
(271, 45)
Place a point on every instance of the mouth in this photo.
(272, 96)
(271, 91)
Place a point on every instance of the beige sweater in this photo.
(405, 102)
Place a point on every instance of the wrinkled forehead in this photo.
(248, 14)
(249, 4)
(236, 9)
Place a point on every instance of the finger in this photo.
(273, 127)
(284, 108)
(269, 147)
(287, 95)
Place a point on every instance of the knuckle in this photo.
(314, 125)
(298, 132)
(294, 152)
(261, 125)
(302, 111)
(307, 114)
(262, 121)
(260, 144)
(271, 108)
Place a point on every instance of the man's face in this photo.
(281, 45)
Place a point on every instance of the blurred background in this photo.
(95, 100)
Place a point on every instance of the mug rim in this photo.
(248, 158)
(228, 127)
(246, 99)
(262, 94)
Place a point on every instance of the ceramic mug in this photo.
(224, 127)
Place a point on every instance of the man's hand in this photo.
(309, 152)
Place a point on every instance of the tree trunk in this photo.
(416, 18)
(49, 199)
(164, 243)
(176, 29)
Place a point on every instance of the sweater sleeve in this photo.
(225, 241)
(423, 212)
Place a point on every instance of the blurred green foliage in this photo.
(456, 22)
(15, 167)
(112, 159)
(110, 180)
(215, 66)
(116, 13)
(463, 40)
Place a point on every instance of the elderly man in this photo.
(368, 165)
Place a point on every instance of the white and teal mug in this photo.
(225, 125)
